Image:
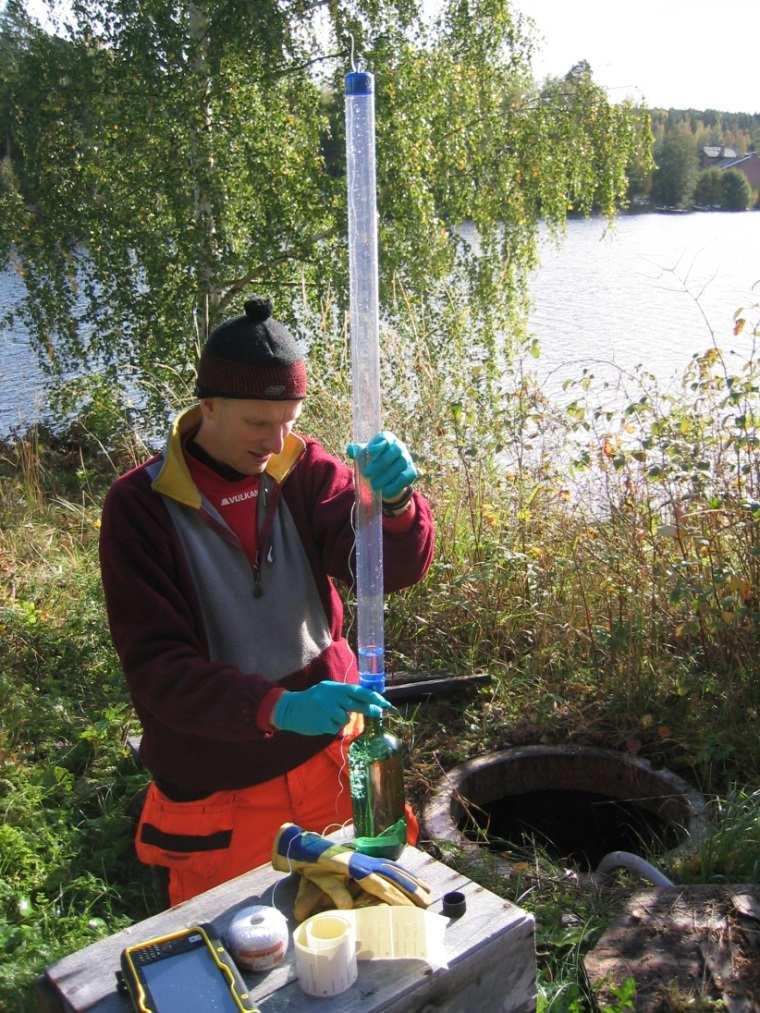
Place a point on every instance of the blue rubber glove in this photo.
(387, 464)
(325, 708)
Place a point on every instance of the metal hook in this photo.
(353, 62)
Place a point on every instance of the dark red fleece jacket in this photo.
(201, 719)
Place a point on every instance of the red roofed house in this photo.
(714, 155)
(748, 165)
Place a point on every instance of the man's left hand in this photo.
(386, 463)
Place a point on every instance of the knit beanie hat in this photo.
(253, 356)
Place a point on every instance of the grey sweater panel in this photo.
(275, 634)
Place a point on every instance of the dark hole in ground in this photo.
(576, 827)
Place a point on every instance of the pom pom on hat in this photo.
(252, 356)
(258, 308)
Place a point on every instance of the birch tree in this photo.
(170, 160)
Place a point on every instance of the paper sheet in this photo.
(390, 932)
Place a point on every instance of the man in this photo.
(218, 558)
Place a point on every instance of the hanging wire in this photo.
(342, 771)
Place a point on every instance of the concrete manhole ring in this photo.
(526, 769)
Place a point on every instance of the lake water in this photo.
(645, 291)
(649, 290)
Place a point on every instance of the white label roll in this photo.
(325, 952)
(258, 937)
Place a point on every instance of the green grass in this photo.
(731, 851)
(69, 791)
(606, 574)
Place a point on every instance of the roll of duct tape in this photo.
(258, 937)
(325, 953)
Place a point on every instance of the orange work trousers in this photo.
(207, 842)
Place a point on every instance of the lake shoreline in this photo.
(615, 294)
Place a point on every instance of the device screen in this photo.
(188, 982)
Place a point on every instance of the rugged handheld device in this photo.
(184, 972)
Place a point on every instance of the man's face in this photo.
(245, 434)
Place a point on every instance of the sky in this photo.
(699, 54)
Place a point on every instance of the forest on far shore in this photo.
(681, 178)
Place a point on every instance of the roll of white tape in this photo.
(258, 937)
(325, 952)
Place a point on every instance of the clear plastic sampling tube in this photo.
(365, 367)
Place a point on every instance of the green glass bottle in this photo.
(376, 778)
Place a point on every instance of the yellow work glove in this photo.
(324, 891)
(332, 867)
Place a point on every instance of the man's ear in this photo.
(208, 407)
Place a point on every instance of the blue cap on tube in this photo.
(359, 82)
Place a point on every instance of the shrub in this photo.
(708, 192)
(737, 192)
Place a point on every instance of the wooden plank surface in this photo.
(491, 943)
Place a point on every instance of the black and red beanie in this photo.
(253, 356)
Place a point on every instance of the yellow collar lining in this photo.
(174, 480)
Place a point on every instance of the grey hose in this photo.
(634, 863)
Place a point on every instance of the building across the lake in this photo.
(713, 154)
(749, 166)
(718, 157)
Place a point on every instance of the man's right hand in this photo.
(325, 708)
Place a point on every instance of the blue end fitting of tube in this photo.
(375, 682)
(359, 82)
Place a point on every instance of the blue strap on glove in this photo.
(325, 708)
(386, 463)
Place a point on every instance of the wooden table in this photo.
(490, 950)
